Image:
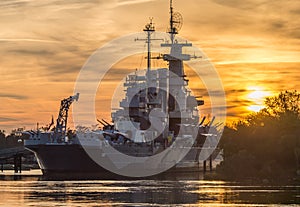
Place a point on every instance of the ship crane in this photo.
(61, 122)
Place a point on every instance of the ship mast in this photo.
(172, 30)
(149, 28)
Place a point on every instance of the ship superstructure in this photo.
(161, 92)
(158, 108)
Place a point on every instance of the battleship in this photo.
(158, 112)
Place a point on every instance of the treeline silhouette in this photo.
(11, 140)
(265, 144)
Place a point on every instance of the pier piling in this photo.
(18, 163)
(210, 163)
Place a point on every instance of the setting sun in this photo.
(256, 97)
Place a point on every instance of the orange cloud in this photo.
(45, 43)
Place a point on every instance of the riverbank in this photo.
(290, 177)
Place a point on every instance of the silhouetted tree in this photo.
(266, 143)
(286, 103)
(2, 138)
(11, 140)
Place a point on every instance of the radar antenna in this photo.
(176, 22)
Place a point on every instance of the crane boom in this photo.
(61, 122)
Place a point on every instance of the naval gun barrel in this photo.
(106, 122)
(101, 122)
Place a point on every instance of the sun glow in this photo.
(256, 97)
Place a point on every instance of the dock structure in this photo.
(210, 160)
(14, 154)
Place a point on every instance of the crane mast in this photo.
(61, 122)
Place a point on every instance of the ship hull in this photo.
(70, 161)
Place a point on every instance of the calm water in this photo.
(30, 190)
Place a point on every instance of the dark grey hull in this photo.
(59, 160)
(70, 161)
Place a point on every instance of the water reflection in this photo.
(184, 192)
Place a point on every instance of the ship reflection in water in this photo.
(32, 191)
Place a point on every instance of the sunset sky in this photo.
(254, 45)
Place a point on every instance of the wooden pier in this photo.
(13, 155)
